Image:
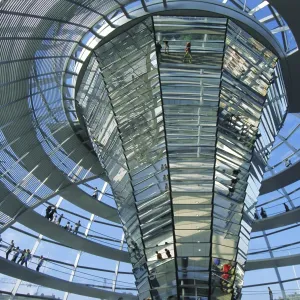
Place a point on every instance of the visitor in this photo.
(15, 256)
(169, 255)
(59, 219)
(188, 52)
(48, 210)
(40, 263)
(158, 255)
(26, 258)
(10, 248)
(77, 225)
(263, 213)
(95, 193)
(286, 207)
(67, 227)
(256, 216)
(71, 228)
(166, 44)
(22, 256)
(270, 293)
(288, 163)
(51, 213)
(54, 220)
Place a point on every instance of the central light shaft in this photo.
(173, 106)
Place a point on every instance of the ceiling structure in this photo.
(47, 53)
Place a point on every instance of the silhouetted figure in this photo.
(95, 193)
(256, 216)
(67, 226)
(166, 187)
(59, 219)
(288, 163)
(135, 250)
(234, 182)
(48, 209)
(236, 172)
(263, 213)
(40, 263)
(51, 213)
(158, 255)
(10, 248)
(22, 256)
(168, 253)
(230, 191)
(270, 293)
(158, 49)
(166, 43)
(286, 207)
(17, 253)
(77, 225)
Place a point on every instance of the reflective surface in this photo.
(175, 109)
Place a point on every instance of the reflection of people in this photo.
(226, 268)
(158, 255)
(270, 293)
(158, 49)
(166, 43)
(188, 52)
(168, 253)
(217, 261)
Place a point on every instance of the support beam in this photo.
(280, 220)
(267, 263)
(280, 180)
(15, 270)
